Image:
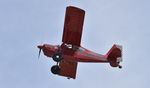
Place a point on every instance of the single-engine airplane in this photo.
(70, 52)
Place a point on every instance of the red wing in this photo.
(73, 25)
(68, 69)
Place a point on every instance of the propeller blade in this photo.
(39, 53)
(40, 47)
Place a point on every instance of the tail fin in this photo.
(114, 56)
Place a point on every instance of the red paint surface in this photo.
(71, 56)
(73, 25)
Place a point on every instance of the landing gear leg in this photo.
(57, 57)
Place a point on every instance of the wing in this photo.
(73, 26)
(68, 69)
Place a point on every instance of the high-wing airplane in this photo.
(70, 52)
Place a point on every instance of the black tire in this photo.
(55, 69)
(120, 66)
(57, 57)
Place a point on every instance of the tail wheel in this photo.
(57, 57)
(55, 69)
(120, 66)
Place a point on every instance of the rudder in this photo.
(114, 55)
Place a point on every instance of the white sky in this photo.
(24, 24)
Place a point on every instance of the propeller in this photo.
(40, 47)
(39, 53)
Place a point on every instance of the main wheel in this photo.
(55, 69)
(57, 57)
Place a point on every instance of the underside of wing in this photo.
(68, 69)
(73, 25)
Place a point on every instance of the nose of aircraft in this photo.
(40, 46)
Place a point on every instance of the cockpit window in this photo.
(68, 45)
(75, 47)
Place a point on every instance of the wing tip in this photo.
(73, 7)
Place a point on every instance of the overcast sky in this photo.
(24, 24)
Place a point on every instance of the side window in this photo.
(75, 47)
(68, 45)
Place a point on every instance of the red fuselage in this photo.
(74, 54)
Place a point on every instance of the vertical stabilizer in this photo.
(114, 55)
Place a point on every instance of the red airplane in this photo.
(70, 52)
